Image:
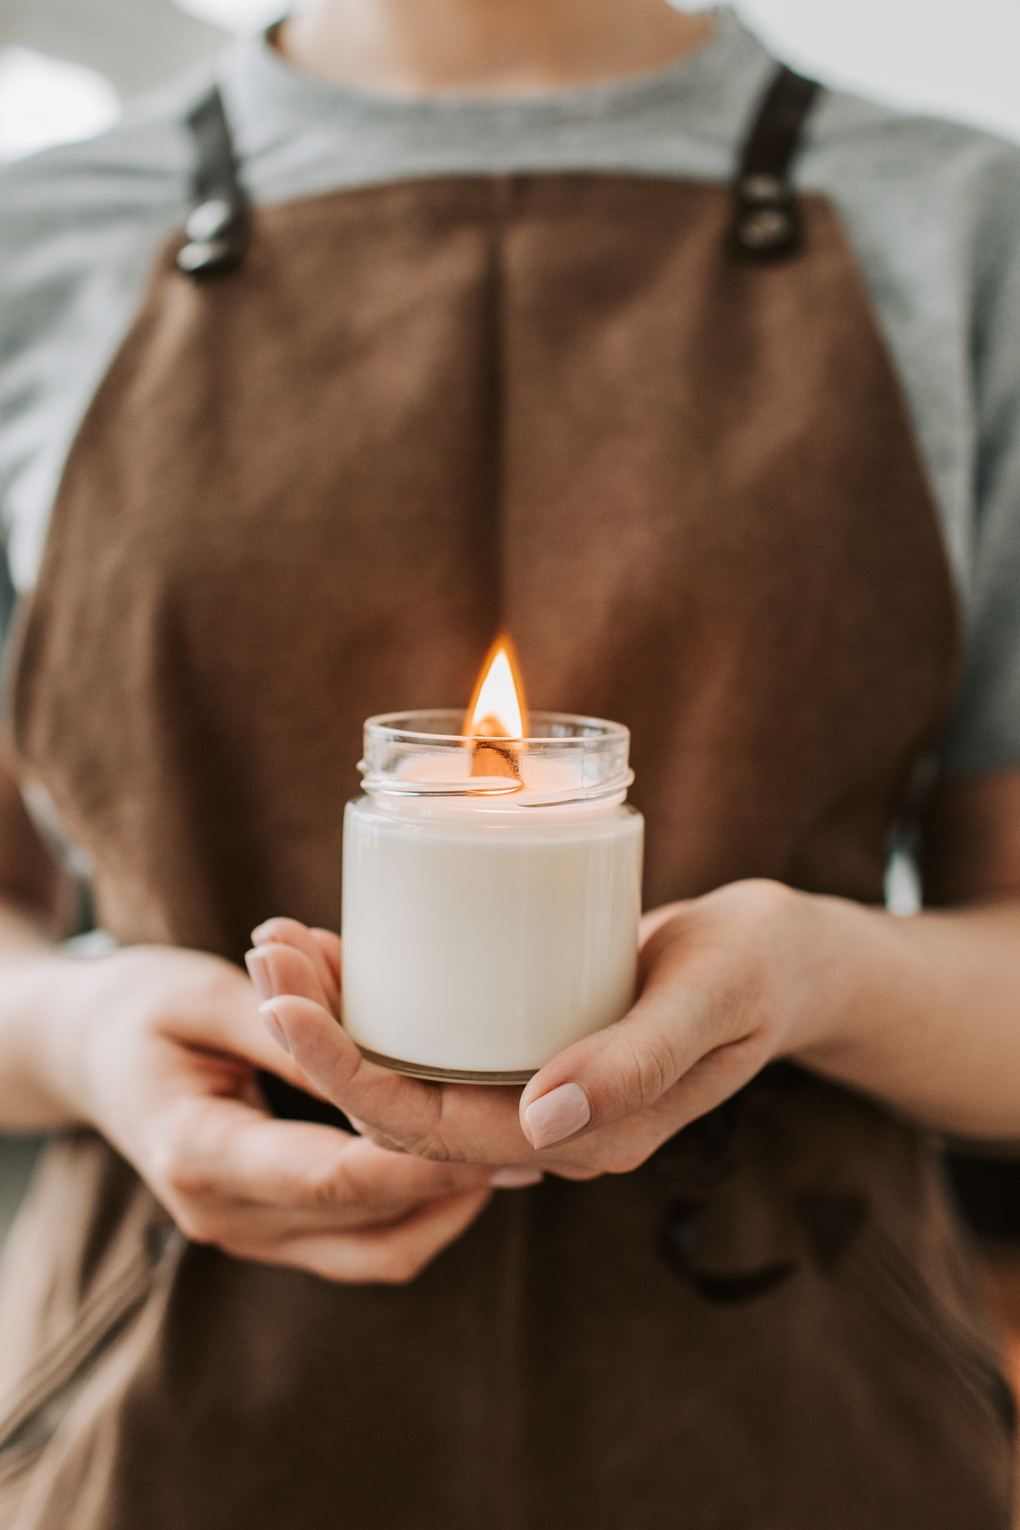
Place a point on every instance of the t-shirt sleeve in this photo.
(79, 227)
(984, 729)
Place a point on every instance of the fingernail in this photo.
(515, 1178)
(258, 934)
(273, 1026)
(557, 1115)
(258, 971)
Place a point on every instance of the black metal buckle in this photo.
(767, 224)
(215, 231)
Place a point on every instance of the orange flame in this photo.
(497, 710)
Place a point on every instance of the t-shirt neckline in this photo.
(262, 69)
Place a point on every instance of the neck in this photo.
(486, 47)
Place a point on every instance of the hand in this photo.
(725, 982)
(158, 1049)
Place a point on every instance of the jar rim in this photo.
(594, 728)
(577, 759)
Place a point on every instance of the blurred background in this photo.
(68, 66)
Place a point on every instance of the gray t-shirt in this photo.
(932, 210)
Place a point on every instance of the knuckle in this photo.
(652, 1070)
(326, 1188)
(613, 1156)
(181, 1175)
(188, 1182)
(383, 1139)
(766, 899)
(358, 1273)
(624, 1160)
(618, 1158)
(354, 1264)
(402, 1269)
(197, 1224)
(431, 1147)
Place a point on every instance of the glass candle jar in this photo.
(489, 919)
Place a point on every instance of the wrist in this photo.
(40, 1022)
(837, 963)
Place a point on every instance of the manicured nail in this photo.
(258, 971)
(557, 1115)
(515, 1178)
(273, 1026)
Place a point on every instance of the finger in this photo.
(290, 932)
(657, 917)
(377, 1096)
(376, 1177)
(390, 1256)
(626, 1068)
(222, 1016)
(331, 947)
(618, 1147)
(279, 969)
(216, 1152)
(470, 1124)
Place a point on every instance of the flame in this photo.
(497, 708)
(497, 712)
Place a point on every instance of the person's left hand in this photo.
(727, 983)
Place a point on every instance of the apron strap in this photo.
(217, 227)
(767, 223)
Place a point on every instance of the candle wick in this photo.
(497, 755)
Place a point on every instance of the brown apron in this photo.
(653, 429)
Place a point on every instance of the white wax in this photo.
(482, 940)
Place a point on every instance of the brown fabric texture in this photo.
(562, 1365)
(312, 490)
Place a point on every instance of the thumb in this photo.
(628, 1067)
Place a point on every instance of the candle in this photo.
(491, 886)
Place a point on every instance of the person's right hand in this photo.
(158, 1050)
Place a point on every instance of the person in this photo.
(590, 321)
